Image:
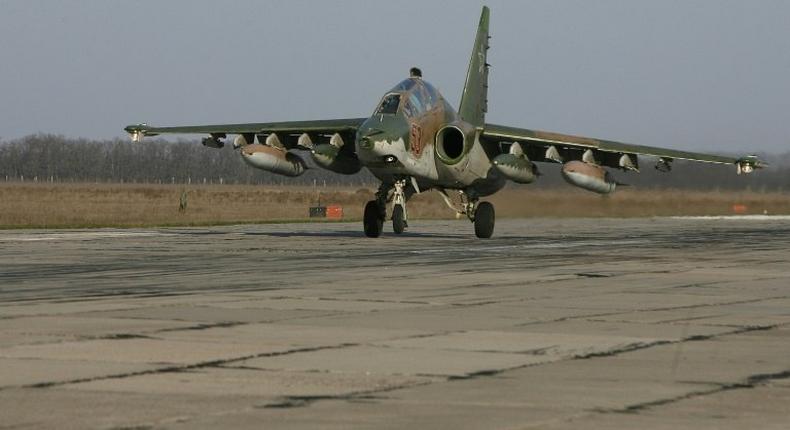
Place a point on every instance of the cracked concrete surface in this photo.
(651, 323)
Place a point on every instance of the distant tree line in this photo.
(45, 158)
(55, 158)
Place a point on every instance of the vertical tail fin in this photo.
(474, 100)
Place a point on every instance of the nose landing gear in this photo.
(373, 219)
(399, 223)
(376, 210)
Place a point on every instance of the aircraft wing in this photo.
(287, 132)
(560, 148)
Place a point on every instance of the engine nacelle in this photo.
(330, 157)
(273, 160)
(453, 143)
(589, 177)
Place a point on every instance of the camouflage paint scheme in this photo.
(416, 141)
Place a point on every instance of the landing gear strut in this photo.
(399, 223)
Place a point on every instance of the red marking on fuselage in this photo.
(416, 139)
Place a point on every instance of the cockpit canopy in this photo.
(389, 104)
(412, 96)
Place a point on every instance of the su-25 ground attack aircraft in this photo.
(415, 141)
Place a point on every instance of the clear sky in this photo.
(697, 74)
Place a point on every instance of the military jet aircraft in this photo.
(415, 141)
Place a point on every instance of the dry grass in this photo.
(129, 205)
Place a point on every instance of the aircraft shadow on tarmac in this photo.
(347, 234)
(352, 234)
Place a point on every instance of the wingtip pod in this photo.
(136, 131)
(748, 164)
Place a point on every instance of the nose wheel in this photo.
(376, 212)
(373, 219)
(398, 219)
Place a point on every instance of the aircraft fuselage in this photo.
(415, 133)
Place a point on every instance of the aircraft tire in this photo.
(372, 221)
(484, 220)
(398, 219)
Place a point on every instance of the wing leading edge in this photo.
(288, 131)
(555, 147)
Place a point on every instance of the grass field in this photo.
(31, 205)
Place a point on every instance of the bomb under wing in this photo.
(331, 156)
(275, 160)
(515, 165)
(589, 177)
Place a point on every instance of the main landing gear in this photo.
(376, 210)
(484, 219)
(480, 213)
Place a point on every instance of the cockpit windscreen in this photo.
(389, 105)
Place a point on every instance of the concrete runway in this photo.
(555, 324)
